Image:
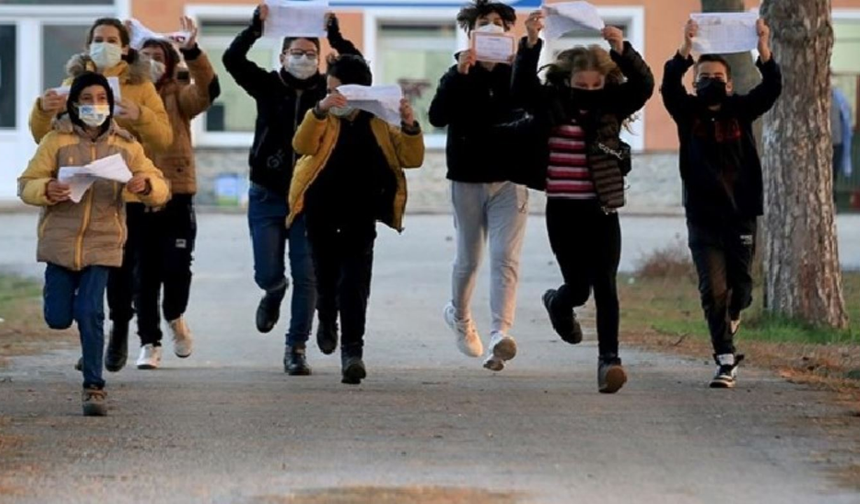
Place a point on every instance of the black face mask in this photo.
(586, 99)
(711, 91)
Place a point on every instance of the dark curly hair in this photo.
(469, 14)
(350, 69)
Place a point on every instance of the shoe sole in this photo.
(181, 356)
(615, 380)
(301, 372)
(147, 366)
(574, 338)
(721, 384)
(115, 368)
(353, 375)
(325, 348)
(494, 365)
(505, 349)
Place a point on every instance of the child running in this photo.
(81, 242)
(588, 97)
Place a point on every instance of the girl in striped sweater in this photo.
(588, 96)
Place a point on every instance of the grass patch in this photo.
(663, 296)
(23, 330)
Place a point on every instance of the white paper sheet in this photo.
(725, 32)
(113, 82)
(561, 18)
(493, 47)
(289, 18)
(140, 34)
(80, 178)
(381, 101)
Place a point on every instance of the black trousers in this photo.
(343, 263)
(120, 286)
(723, 253)
(586, 242)
(166, 245)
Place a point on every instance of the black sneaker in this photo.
(727, 370)
(94, 402)
(327, 337)
(269, 310)
(353, 370)
(564, 323)
(610, 375)
(116, 354)
(295, 362)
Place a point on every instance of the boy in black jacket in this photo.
(721, 171)
(283, 98)
(472, 97)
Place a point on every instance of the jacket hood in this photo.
(133, 73)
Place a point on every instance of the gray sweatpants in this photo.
(500, 210)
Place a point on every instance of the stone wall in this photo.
(654, 186)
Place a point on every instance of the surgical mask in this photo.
(342, 111)
(302, 67)
(105, 55)
(711, 91)
(156, 70)
(93, 115)
(490, 28)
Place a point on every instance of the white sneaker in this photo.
(468, 340)
(150, 357)
(183, 343)
(502, 348)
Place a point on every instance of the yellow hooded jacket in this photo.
(92, 232)
(152, 128)
(315, 140)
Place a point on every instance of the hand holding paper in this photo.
(564, 17)
(493, 47)
(80, 178)
(382, 101)
(289, 18)
(140, 34)
(725, 32)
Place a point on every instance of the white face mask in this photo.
(490, 28)
(105, 55)
(342, 111)
(302, 67)
(93, 115)
(156, 70)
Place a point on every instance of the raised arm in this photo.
(758, 101)
(246, 73)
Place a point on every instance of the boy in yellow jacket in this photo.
(350, 176)
(81, 242)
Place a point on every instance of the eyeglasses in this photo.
(299, 53)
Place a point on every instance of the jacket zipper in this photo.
(295, 124)
(79, 243)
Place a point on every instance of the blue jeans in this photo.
(267, 218)
(79, 296)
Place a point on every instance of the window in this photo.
(415, 55)
(8, 76)
(59, 43)
(234, 111)
(845, 65)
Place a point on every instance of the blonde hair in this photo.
(582, 59)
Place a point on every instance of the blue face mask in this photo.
(93, 115)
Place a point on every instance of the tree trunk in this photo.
(745, 75)
(803, 279)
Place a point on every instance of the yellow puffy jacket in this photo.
(152, 128)
(315, 140)
(92, 232)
